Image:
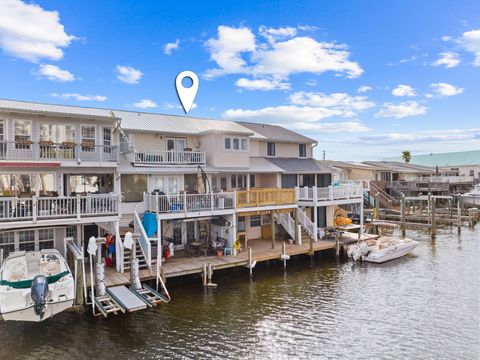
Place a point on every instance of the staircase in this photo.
(306, 225)
(138, 254)
(386, 201)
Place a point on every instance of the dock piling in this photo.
(403, 226)
(250, 267)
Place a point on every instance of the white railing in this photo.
(42, 208)
(143, 239)
(170, 158)
(27, 150)
(307, 224)
(189, 202)
(288, 223)
(330, 193)
(446, 179)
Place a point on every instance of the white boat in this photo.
(35, 285)
(472, 197)
(382, 249)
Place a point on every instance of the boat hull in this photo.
(28, 314)
(399, 251)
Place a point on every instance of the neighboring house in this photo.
(69, 171)
(461, 163)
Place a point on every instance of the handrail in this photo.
(169, 157)
(288, 223)
(380, 191)
(306, 223)
(263, 197)
(143, 240)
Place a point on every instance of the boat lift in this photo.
(121, 298)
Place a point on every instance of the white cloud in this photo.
(79, 97)
(54, 73)
(444, 89)
(145, 104)
(446, 38)
(170, 106)
(401, 110)
(236, 51)
(262, 84)
(447, 59)
(169, 48)
(343, 126)
(403, 90)
(128, 75)
(311, 82)
(340, 101)
(364, 89)
(227, 48)
(29, 32)
(470, 41)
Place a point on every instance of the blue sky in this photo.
(366, 79)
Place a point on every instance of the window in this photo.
(7, 242)
(83, 184)
(302, 150)
(3, 145)
(23, 134)
(236, 144)
(270, 149)
(165, 184)
(266, 219)
(238, 181)
(107, 140)
(71, 232)
(252, 180)
(2, 130)
(241, 223)
(88, 138)
(472, 172)
(133, 187)
(26, 240)
(46, 239)
(46, 185)
(233, 182)
(255, 220)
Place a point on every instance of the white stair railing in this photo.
(307, 224)
(287, 222)
(143, 240)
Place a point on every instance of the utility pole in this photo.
(323, 154)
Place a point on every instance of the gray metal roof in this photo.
(458, 158)
(401, 167)
(277, 133)
(295, 165)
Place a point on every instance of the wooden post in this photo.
(298, 233)
(250, 269)
(433, 230)
(209, 274)
(429, 204)
(402, 211)
(284, 252)
(377, 206)
(272, 225)
(459, 215)
(204, 274)
(337, 245)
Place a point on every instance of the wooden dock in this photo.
(261, 251)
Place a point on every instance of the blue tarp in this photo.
(149, 223)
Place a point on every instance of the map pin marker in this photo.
(186, 95)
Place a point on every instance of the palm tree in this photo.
(406, 156)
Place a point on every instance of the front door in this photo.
(88, 232)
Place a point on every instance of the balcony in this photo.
(185, 205)
(265, 197)
(168, 158)
(66, 151)
(331, 195)
(34, 209)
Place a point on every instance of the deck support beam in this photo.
(272, 224)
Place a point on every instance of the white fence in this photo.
(169, 158)
(447, 179)
(41, 208)
(189, 202)
(330, 193)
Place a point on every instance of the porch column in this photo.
(297, 233)
(159, 243)
(315, 222)
(234, 229)
(118, 244)
(248, 181)
(272, 225)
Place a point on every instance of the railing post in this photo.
(34, 209)
(77, 152)
(78, 208)
(211, 200)
(315, 195)
(330, 192)
(184, 201)
(157, 203)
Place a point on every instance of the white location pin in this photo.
(186, 95)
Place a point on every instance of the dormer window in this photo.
(271, 149)
(302, 150)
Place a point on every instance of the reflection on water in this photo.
(422, 306)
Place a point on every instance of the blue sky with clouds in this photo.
(366, 79)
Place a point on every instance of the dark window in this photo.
(270, 149)
(302, 150)
(252, 180)
(227, 144)
(255, 220)
(133, 187)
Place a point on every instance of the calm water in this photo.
(425, 306)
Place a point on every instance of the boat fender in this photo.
(39, 293)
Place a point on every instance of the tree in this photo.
(406, 156)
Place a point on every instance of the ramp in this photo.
(125, 297)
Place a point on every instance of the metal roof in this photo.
(458, 158)
(401, 167)
(351, 165)
(125, 167)
(277, 133)
(295, 165)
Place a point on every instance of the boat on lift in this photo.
(35, 285)
(381, 250)
(472, 197)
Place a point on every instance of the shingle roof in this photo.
(277, 133)
(295, 165)
(457, 158)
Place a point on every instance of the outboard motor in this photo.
(39, 292)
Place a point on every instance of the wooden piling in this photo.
(337, 245)
(459, 215)
(284, 252)
(433, 230)
(250, 269)
(204, 274)
(272, 224)
(403, 226)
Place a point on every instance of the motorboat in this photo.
(381, 250)
(472, 197)
(35, 285)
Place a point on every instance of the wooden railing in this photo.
(265, 197)
(189, 202)
(10, 150)
(43, 208)
(169, 158)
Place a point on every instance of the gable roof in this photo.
(457, 158)
(277, 133)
